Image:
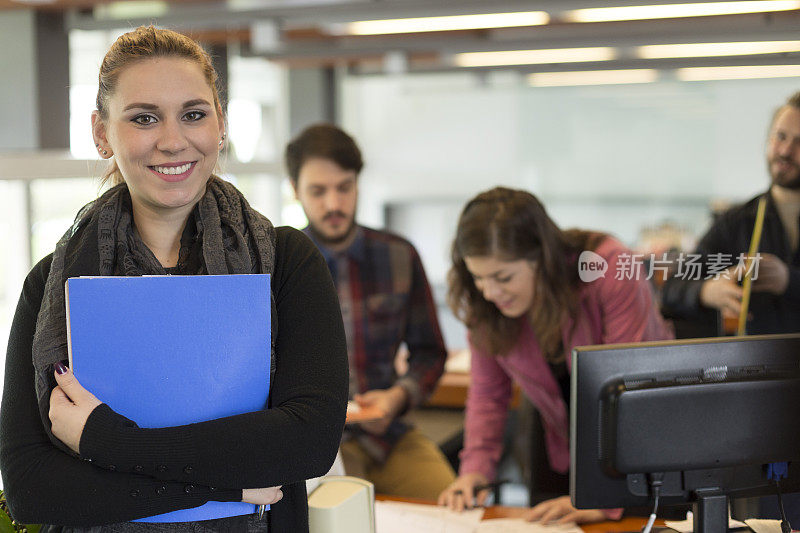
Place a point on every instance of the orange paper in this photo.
(357, 413)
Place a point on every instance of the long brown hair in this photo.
(512, 224)
(148, 42)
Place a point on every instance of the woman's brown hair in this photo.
(148, 42)
(510, 225)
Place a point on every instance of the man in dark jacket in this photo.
(775, 301)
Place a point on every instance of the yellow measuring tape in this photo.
(747, 285)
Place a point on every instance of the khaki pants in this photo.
(415, 468)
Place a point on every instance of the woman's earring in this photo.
(222, 139)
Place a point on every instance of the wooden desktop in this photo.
(451, 391)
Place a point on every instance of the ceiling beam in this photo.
(627, 35)
(222, 14)
(666, 65)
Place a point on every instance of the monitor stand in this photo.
(710, 511)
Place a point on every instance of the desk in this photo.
(451, 391)
(500, 511)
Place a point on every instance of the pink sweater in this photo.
(610, 311)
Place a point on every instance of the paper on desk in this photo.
(687, 526)
(518, 525)
(399, 517)
(764, 526)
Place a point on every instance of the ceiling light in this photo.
(660, 51)
(701, 9)
(592, 77)
(132, 9)
(531, 57)
(737, 73)
(446, 23)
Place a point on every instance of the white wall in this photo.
(614, 158)
(607, 157)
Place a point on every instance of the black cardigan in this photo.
(160, 470)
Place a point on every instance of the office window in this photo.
(14, 259)
(86, 52)
(54, 204)
(292, 213)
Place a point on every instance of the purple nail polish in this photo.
(60, 368)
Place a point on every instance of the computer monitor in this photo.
(706, 415)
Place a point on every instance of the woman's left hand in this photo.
(265, 496)
(561, 511)
(70, 407)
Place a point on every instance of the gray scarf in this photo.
(229, 238)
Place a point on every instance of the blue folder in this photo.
(173, 350)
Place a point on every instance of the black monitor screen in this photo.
(704, 416)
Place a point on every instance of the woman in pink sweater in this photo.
(515, 284)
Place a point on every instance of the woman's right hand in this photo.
(70, 407)
(461, 492)
(266, 496)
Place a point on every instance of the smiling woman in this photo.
(66, 458)
(164, 131)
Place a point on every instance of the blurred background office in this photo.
(636, 118)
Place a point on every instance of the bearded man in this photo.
(775, 300)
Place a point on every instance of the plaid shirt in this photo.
(386, 301)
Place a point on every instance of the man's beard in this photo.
(326, 239)
(789, 179)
